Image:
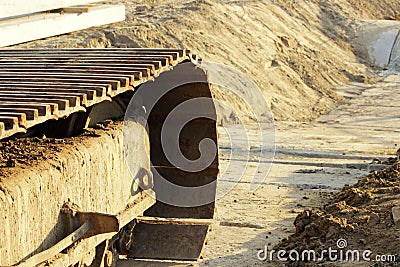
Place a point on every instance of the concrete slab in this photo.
(41, 25)
(10, 8)
(377, 38)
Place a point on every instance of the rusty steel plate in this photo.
(37, 85)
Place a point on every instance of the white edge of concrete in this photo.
(11, 8)
(24, 29)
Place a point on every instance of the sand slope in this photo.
(295, 51)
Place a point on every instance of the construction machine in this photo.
(83, 161)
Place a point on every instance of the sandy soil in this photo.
(308, 174)
(296, 51)
(30, 151)
(361, 214)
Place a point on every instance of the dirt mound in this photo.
(295, 51)
(26, 151)
(22, 152)
(361, 214)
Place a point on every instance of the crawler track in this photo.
(40, 85)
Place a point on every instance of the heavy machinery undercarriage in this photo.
(85, 206)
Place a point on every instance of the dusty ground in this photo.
(308, 173)
(361, 214)
(297, 52)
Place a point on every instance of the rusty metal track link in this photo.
(37, 85)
